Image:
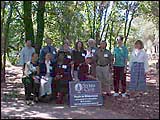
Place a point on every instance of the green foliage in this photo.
(150, 10)
(81, 20)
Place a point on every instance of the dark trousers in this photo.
(31, 87)
(119, 75)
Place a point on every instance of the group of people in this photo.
(47, 75)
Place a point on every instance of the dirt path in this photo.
(13, 105)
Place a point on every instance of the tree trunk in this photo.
(101, 8)
(5, 32)
(28, 24)
(40, 25)
(125, 28)
(6, 27)
(94, 20)
(110, 40)
(2, 43)
(104, 21)
(129, 26)
(105, 38)
(91, 35)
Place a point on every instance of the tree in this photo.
(28, 24)
(5, 33)
(40, 25)
(150, 11)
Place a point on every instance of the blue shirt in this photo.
(48, 49)
(26, 54)
(120, 55)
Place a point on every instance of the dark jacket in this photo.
(83, 72)
(43, 69)
(78, 57)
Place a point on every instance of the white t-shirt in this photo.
(139, 56)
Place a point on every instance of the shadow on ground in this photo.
(13, 105)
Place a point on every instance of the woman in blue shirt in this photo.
(120, 64)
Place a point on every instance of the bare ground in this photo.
(145, 106)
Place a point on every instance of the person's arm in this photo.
(130, 61)
(41, 55)
(95, 57)
(91, 77)
(126, 59)
(54, 55)
(27, 71)
(22, 59)
(38, 70)
(34, 50)
(111, 61)
(114, 56)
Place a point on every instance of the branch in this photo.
(104, 21)
(106, 32)
(89, 17)
(110, 47)
(129, 27)
(94, 22)
(19, 13)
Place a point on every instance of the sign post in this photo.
(85, 93)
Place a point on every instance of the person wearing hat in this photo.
(120, 64)
(48, 49)
(103, 58)
(62, 77)
(84, 69)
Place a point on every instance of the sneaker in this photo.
(116, 94)
(32, 103)
(27, 102)
(123, 94)
(36, 99)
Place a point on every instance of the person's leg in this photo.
(42, 87)
(133, 79)
(107, 79)
(60, 94)
(142, 78)
(123, 80)
(116, 79)
(27, 92)
(93, 69)
(99, 75)
(75, 74)
(36, 88)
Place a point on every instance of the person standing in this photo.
(120, 66)
(139, 67)
(48, 49)
(26, 53)
(66, 47)
(31, 79)
(91, 51)
(103, 58)
(78, 56)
